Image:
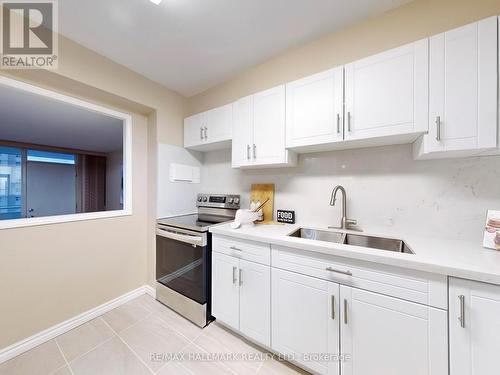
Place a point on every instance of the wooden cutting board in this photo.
(259, 193)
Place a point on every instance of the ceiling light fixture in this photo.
(157, 2)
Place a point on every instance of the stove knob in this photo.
(230, 200)
(205, 199)
(199, 199)
(236, 200)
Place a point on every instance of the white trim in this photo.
(127, 158)
(150, 291)
(54, 331)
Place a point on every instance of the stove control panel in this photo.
(230, 201)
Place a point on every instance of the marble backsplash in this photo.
(385, 187)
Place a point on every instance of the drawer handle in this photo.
(348, 273)
(461, 318)
(235, 248)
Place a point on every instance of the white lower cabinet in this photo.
(474, 328)
(225, 289)
(388, 336)
(241, 296)
(338, 324)
(305, 320)
(371, 334)
(255, 301)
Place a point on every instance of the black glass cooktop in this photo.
(196, 222)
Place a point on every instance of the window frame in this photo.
(127, 159)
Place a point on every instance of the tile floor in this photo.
(145, 337)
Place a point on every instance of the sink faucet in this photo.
(345, 222)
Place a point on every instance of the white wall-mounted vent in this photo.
(184, 173)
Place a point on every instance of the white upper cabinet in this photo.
(211, 130)
(193, 130)
(440, 93)
(387, 94)
(389, 336)
(314, 110)
(463, 99)
(243, 133)
(259, 131)
(474, 327)
(219, 124)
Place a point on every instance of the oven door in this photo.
(182, 262)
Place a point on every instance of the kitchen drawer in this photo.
(420, 287)
(248, 250)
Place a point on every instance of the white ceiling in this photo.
(31, 118)
(192, 45)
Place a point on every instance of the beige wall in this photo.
(411, 22)
(54, 272)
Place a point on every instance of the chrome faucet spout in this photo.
(345, 222)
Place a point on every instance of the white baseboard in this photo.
(48, 334)
(150, 290)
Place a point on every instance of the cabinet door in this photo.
(193, 130)
(305, 319)
(474, 328)
(219, 123)
(255, 301)
(388, 336)
(314, 109)
(225, 289)
(387, 94)
(463, 88)
(269, 127)
(242, 132)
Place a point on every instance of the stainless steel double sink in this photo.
(373, 242)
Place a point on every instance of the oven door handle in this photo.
(187, 238)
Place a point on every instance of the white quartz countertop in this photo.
(462, 259)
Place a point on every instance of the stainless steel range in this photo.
(184, 256)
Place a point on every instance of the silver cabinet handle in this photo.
(206, 132)
(248, 152)
(338, 123)
(348, 273)
(234, 275)
(349, 122)
(438, 128)
(235, 248)
(254, 151)
(345, 311)
(333, 307)
(239, 276)
(201, 132)
(461, 318)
